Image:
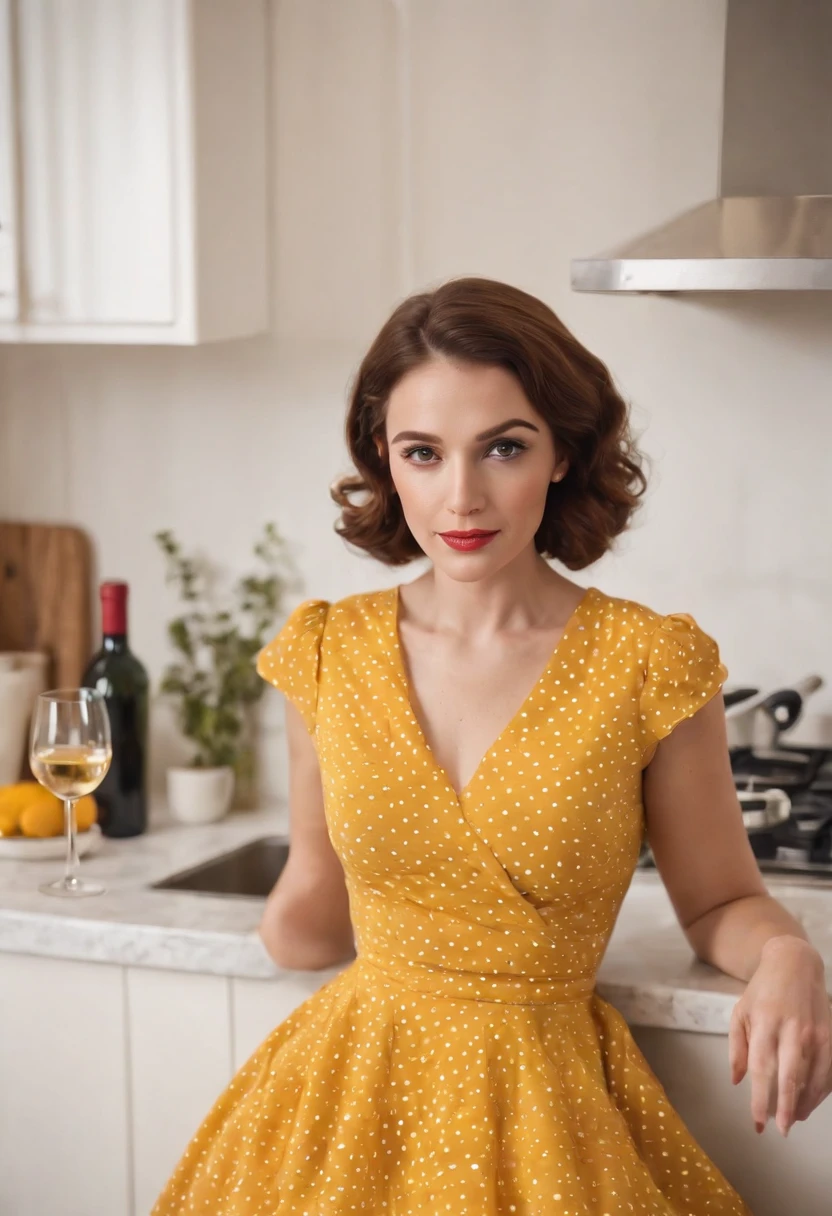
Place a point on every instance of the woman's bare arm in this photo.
(306, 924)
(780, 1032)
(701, 847)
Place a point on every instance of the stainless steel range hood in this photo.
(770, 229)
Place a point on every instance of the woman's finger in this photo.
(795, 1057)
(762, 1068)
(818, 1084)
(737, 1045)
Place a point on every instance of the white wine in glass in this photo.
(70, 754)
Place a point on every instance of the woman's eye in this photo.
(510, 443)
(411, 451)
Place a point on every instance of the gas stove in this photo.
(800, 845)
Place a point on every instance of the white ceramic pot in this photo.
(200, 795)
(22, 677)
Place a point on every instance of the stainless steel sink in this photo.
(250, 870)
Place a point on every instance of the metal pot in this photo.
(758, 719)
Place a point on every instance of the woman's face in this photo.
(468, 451)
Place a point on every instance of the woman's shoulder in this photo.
(361, 605)
(626, 614)
(345, 620)
(318, 625)
(315, 610)
(622, 618)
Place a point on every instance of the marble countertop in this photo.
(134, 924)
(652, 976)
(649, 971)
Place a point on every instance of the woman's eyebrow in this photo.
(489, 434)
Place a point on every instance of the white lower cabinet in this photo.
(106, 1072)
(775, 1177)
(64, 1120)
(257, 1006)
(180, 1060)
(189, 1034)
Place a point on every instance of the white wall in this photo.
(412, 142)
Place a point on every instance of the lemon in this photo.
(9, 822)
(13, 801)
(86, 813)
(43, 818)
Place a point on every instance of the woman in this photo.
(475, 759)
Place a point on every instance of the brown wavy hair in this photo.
(483, 321)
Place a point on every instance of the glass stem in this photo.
(71, 873)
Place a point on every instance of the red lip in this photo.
(474, 532)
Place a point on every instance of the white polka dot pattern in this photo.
(290, 661)
(463, 1063)
(683, 672)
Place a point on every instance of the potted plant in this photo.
(212, 682)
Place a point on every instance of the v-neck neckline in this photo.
(401, 672)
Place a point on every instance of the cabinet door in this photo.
(259, 1006)
(180, 1061)
(64, 1133)
(97, 97)
(8, 186)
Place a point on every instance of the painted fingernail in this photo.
(759, 1126)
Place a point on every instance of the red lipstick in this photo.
(476, 538)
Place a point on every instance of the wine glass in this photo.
(70, 754)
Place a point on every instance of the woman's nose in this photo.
(464, 493)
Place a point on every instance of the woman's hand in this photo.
(781, 1033)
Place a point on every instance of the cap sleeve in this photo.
(684, 671)
(291, 659)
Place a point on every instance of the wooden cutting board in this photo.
(45, 597)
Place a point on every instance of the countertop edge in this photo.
(196, 951)
(665, 1007)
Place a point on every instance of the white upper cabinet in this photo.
(9, 294)
(133, 170)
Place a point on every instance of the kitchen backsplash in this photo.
(385, 180)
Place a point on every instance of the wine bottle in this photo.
(122, 680)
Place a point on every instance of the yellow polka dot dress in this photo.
(463, 1063)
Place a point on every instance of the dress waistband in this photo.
(500, 989)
